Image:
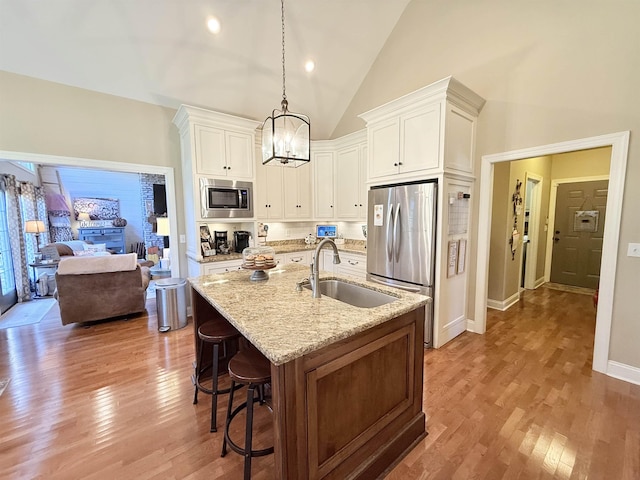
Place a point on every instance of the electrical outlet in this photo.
(633, 250)
(183, 239)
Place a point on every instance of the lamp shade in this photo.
(84, 217)
(34, 226)
(162, 226)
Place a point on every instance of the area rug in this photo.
(26, 313)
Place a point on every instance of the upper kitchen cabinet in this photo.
(350, 177)
(269, 192)
(222, 146)
(323, 161)
(297, 192)
(427, 132)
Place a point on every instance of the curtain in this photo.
(16, 236)
(59, 218)
(33, 204)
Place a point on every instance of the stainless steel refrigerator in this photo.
(401, 228)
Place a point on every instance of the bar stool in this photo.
(248, 367)
(216, 332)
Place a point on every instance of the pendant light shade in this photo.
(285, 135)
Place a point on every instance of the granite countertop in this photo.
(287, 246)
(285, 324)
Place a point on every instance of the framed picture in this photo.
(97, 208)
(206, 249)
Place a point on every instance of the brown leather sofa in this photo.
(97, 288)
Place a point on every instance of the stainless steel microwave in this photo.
(226, 198)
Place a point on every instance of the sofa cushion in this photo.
(100, 264)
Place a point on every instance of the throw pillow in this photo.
(98, 247)
(83, 253)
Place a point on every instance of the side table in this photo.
(35, 266)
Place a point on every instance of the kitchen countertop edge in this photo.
(285, 324)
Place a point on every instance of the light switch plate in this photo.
(634, 250)
(183, 239)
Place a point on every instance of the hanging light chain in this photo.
(284, 93)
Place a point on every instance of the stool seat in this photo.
(250, 366)
(216, 332)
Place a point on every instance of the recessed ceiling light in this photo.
(309, 66)
(213, 24)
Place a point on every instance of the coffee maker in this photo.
(241, 240)
(220, 242)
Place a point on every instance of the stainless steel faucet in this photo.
(313, 276)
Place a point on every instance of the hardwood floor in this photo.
(114, 401)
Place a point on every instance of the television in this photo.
(159, 199)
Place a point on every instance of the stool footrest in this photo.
(254, 453)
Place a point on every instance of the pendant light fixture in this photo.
(285, 135)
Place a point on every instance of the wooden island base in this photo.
(350, 409)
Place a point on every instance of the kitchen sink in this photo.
(355, 295)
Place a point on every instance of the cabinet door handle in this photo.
(229, 168)
(395, 164)
(351, 262)
(399, 163)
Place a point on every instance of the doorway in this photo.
(580, 214)
(531, 233)
(619, 143)
(168, 173)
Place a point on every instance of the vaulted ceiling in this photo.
(160, 51)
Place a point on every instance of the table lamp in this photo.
(36, 227)
(162, 229)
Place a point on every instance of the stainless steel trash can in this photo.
(171, 303)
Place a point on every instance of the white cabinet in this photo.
(297, 192)
(302, 258)
(269, 192)
(406, 144)
(212, 144)
(425, 133)
(223, 153)
(352, 264)
(350, 178)
(326, 261)
(222, 267)
(323, 183)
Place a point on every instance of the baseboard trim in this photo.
(503, 305)
(624, 372)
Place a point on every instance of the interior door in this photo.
(578, 233)
(8, 294)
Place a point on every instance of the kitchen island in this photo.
(346, 381)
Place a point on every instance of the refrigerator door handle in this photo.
(389, 242)
(396, 234)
